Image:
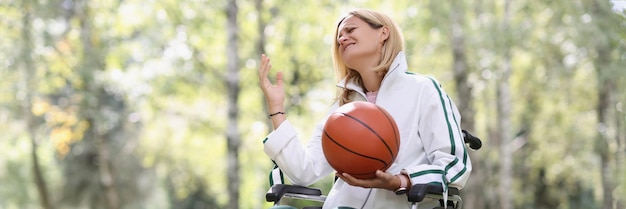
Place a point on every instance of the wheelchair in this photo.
(416, 194)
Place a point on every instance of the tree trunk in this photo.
(107, 177)
(28, 88)
(261, 24)
(460, 67)
(602, 137)
(93, 107)
(472, 198)
(232, 83)
(604, 111)
(621, 153)
(504, 117)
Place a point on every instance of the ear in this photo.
(384, 34)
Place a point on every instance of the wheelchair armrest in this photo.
(277, 191)
(419, 191)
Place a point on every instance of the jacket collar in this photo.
(398, 66)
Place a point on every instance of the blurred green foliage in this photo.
(143, 81)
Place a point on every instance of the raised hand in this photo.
(274, 93)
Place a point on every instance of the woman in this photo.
(371, 66)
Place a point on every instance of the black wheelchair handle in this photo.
(474, 142)
(277, 191)
(419, 191)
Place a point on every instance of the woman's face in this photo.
(358, 41)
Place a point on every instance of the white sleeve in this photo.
(442, 138)
(302, 165)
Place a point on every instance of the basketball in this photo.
(360, 138)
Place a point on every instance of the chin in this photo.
(350, 61)
(348, 64)
(348, 57)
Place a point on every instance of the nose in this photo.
(341, 39)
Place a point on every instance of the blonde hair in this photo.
(392, 46)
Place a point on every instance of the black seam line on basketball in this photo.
(372, 130)
(390, 120)
(445, 114)
(356, 153)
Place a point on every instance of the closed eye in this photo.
(346, 30)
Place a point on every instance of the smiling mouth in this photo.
(347, 46)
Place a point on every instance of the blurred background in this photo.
(123, 104)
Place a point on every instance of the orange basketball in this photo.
(360, 138)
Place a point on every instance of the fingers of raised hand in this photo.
(265, 65)
(264, 69)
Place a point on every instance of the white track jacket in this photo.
(431, 142)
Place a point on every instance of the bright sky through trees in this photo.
(619, 5)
